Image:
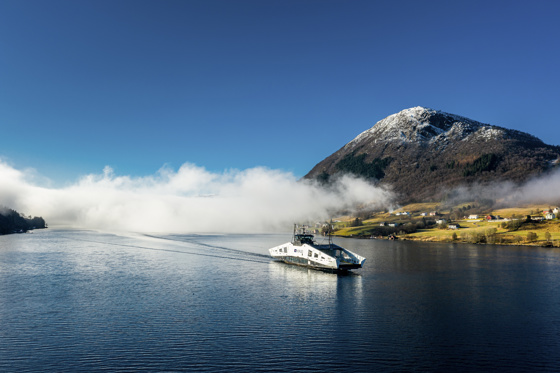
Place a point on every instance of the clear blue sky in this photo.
(237, 84)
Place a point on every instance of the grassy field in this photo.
(521, 211)
(537, 233)
(500, 235)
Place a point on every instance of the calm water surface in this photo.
(86, 301)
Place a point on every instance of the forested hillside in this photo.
(12, 221)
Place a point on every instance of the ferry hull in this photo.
(322, 257)
(341, 268)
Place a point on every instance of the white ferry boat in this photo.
(304, 251)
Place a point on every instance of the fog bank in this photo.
(543, 189)
(190, 199)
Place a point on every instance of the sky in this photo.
(135, 89)
(136, 85)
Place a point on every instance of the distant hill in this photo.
(12, 221)
(421, 153)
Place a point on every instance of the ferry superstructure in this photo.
(304, 251)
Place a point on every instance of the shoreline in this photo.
(436, 239)
(529, 233)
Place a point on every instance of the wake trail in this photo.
(170, 250)
(195, 242)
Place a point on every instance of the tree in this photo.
(514, 225)
(547, 236)
(356, 223)
(532, 237)
(357, 165)
(487, 162)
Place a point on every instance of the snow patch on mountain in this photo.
(424, 125)
(486, 133)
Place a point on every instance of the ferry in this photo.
(304, 251)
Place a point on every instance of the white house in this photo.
(550, 216)
(473, 217)
(441, 221)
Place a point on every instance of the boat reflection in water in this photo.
(304, 251)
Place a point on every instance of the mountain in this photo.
(423, 153)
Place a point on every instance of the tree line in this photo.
(357, 165)
(12, 221)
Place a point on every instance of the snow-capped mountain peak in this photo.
(420, 124)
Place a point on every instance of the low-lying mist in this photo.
(544, 189)
(190, 199)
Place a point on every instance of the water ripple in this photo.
(88, 302)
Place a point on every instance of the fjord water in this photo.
(87, 301)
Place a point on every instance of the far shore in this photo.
(438, 239)
(531, 225)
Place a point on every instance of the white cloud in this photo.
(190, 199)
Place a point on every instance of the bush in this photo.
(474, 237)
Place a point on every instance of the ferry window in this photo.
(316, 255)
(285, 249)
(309, 253)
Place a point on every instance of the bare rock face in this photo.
(422, 153)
